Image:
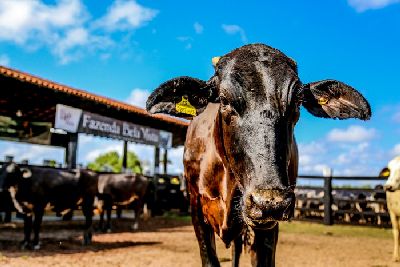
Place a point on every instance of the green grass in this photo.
(175, 216)
(307, 228)
(334, 230)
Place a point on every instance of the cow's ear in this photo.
(334, 99)
(182, 97)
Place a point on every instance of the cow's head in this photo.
(10, 175)
(392, 172)
(260, 95)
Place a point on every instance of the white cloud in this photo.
(66, 28)
(396, 150)
(313, 169)
(235, 29)
(35, 154)
(92, 155)
(198, 28)
(85, 139)
(353, 153)
(353, 134)
(4, 60)
(126, 15)
(363, 5)
(312, 148)
(175, 155)
(25, 20)
(138, 97)
(363, 158)
(78, 37)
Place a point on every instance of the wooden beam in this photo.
(125, 156)
(156, 160)
(71, 151)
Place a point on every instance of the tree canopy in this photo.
(112, 161)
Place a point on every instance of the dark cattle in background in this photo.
(240, 154)
(6, 206)
(121, 190)
(167, 192)
(33, 188)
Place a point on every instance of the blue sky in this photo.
(124, 49)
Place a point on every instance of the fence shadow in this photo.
(58, 237)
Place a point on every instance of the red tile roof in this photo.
(25, 77)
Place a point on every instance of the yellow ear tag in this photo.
(385, 173)
(215, 60)
(322, 101)
(185, 107)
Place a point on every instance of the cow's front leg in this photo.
(138, 208)
(87, 209)
(237, 250)
(39, 211)
(264, 247)
(395, 228)
(101, 221)
(205, 235)
(25, 244)
(108, 207)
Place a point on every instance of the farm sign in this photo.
(79, 121)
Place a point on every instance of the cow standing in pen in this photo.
(392, 188)
(34, 188)
(240, 155)
(120, 189)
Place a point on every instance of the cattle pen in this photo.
(342, 204)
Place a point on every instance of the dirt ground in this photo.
(164, 241)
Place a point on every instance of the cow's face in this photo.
(393, 174)
(260, 95)
(9, 175)
(259, 92)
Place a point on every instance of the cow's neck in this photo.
(218, 188)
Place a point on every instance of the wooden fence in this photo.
(328, 211)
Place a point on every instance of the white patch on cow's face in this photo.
(10, 168)
(26, 173)
(394, 177)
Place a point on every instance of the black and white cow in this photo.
(33, 188)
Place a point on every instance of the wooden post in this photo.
(156, 160)
(328, 198)
(125, 157)
(71, 150)
(165, 160)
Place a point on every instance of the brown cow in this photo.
(240, 154)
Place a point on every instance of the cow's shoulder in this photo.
(200, 133)
(201, 140)
(393, 202)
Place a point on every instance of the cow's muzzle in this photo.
(262, 207)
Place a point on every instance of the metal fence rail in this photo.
(328, 215)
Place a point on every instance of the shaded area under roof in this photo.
(36, 99)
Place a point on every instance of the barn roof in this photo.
(36, 98)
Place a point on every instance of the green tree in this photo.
(111, 161)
